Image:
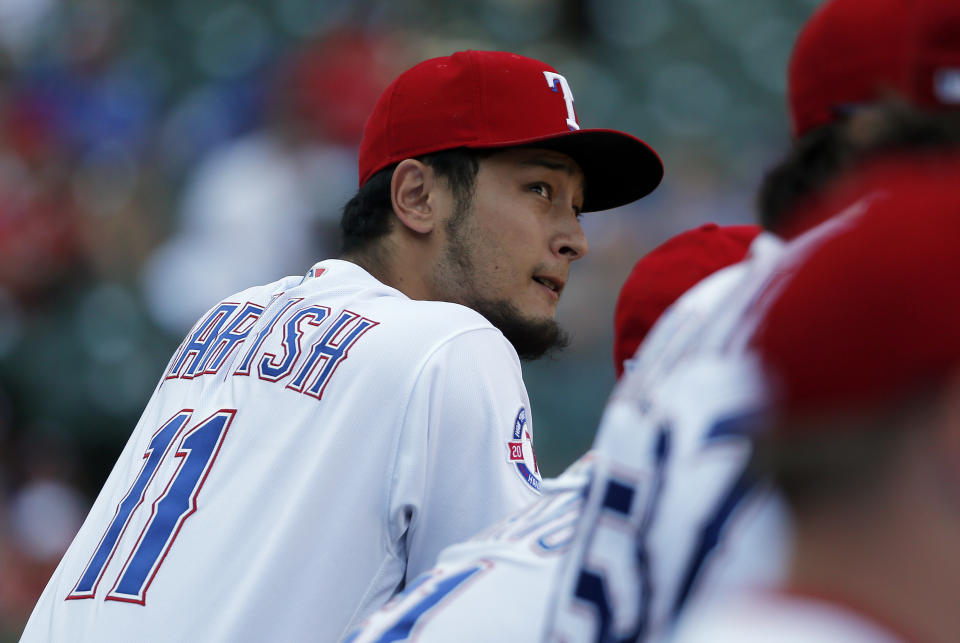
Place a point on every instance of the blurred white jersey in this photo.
(494, 586)
(673, 515)
(758, 617)
(313, 444)
(661, 508)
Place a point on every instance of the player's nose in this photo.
(570, 241)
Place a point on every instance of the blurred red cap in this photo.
(333, 84)
(855, 51)
(666, 272)
(869, 308)
(493, 99)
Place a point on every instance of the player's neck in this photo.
(397, 266)
(894, 564)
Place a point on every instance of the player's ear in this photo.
(410, 192)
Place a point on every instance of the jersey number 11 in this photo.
(197, 450)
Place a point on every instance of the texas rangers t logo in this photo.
(557, 82)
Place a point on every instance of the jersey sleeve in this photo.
(465, 454)
(493, 586)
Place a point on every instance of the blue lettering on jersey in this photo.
(232, 336)
(327, 353)
(740, 426)
(591, 586)
(425, 594)
(86, 587)
(216, 337)
(244, 368)
(270, 368)
(198, 449)
(618, 497)
(195, 347)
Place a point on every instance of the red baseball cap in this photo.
(666, 272)
(493, 99)
(856, 51)
(869, 309)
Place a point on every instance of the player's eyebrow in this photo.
(550, 164)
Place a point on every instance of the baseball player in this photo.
(672, 514)
(463, 597)
(675, 515)
(315, 442)
(859, 341)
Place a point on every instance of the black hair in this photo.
(813, 160)
(368, 215)
(823, 154)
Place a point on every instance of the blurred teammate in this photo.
(665, 273)
(674, 515)
(859, 339)
(521, 556)
(315, 442)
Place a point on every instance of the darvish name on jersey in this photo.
(223, 330)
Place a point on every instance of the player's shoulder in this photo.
(268, 291)
(435, 325)
(448, 316)
(341, 278)
(409, 330)
(258, 296)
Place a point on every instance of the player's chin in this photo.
(534, 337)
(528, 324)
(540, 313)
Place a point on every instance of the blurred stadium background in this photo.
(158, 155)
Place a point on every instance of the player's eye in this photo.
(540, 188)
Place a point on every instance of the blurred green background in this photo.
(158, 155)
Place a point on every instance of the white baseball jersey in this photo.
(762, 617)
(313, 444)
(661, 486)
(672, 513)
(494, 586)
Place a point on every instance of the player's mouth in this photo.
(551, 284)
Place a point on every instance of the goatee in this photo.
(532, 338)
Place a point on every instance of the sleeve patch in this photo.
(520, 453)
